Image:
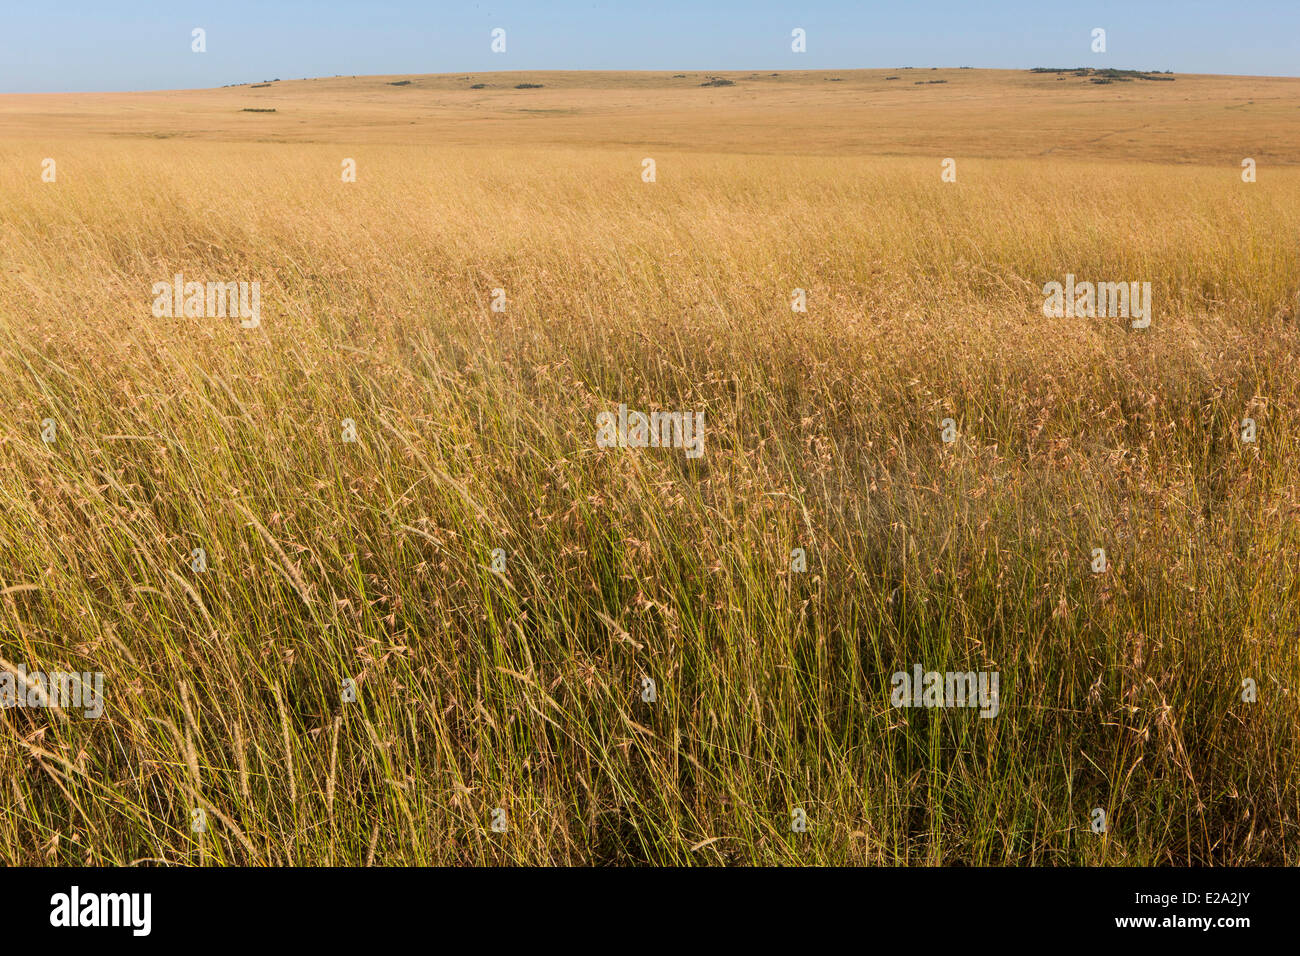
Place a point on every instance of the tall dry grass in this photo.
(477, 431)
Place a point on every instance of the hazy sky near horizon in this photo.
(53, 46)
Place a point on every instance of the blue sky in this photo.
(52, 46)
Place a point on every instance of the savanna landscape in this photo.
(365, 589)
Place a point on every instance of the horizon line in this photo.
(469, 73)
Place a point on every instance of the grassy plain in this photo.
(476, 431)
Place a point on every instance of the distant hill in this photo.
(1066, 111)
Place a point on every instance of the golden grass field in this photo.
(522, 690)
